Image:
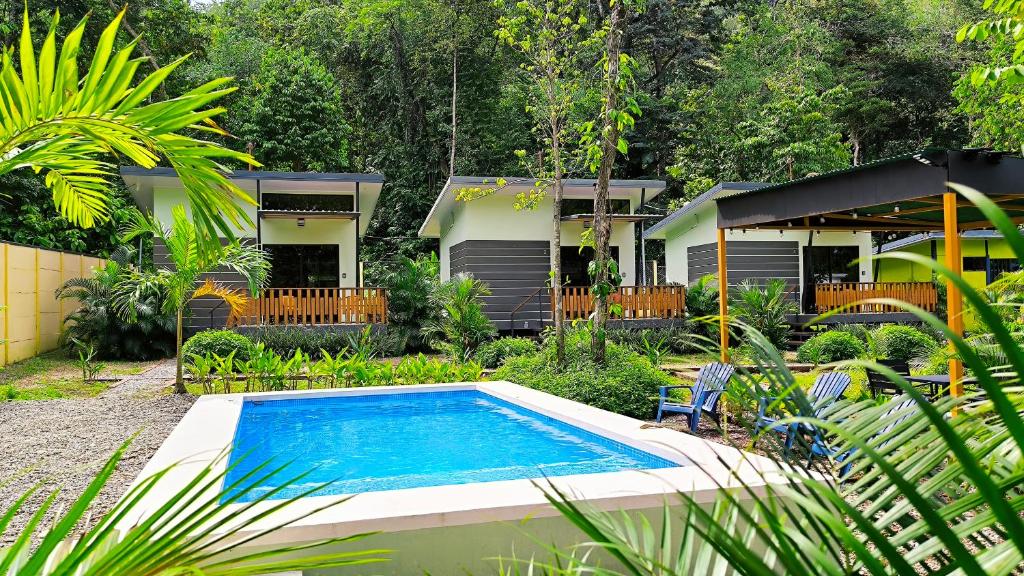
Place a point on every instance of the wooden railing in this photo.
(653, 302)
(847, 295)
(313, 306)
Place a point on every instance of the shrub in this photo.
(702, 306)
(898, 342)
(677, 339)
(765, 309)
(218, 342)
(627, 384)
(492, 354)
(372, 341)
(96, 323)
(831, 346)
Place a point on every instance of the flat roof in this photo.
(901, 193)
(659, 230)
(265, 175)
(143, 183)
(572, 188)
(929, 236)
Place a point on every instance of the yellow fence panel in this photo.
(31, 317)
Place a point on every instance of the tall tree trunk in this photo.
(455, 80)
(609, 141)
(179, 376)
(556, 242)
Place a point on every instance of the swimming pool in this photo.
(412, 440)
(468, 514)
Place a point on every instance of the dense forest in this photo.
(728, 90)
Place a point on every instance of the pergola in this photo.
(907, 193)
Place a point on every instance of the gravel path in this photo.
(64, 443)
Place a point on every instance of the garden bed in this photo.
(53, 375)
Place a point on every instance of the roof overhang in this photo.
(144, 182)
(929, 236)
(660, 230)
(903, 193)
(614, 217)
(307, 214)
(635, 190)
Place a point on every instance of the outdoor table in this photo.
(935, 382)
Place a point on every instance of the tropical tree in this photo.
(196, 531)
(72, 129)
(765, 308)
(603, 147)
(184, 281)
(551, 37)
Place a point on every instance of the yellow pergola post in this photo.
(954, 300)
(723, 297)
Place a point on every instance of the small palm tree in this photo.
(185, 281)
(71, 129)
(461, 324)
(765, 308)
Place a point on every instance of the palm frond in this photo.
(56, 123)
(236, 300)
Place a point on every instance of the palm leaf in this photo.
(55, 123)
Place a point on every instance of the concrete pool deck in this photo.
(206, 432)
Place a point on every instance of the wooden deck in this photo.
(849, 296)
(637, 302)
(314, 307)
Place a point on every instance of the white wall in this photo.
(282, 231)
(164, 199)
(701, 228)
(316, 231)
(495, 218)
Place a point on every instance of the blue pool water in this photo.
(410, 440)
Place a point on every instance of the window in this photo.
(307, 202)
(573, 206)
(303, 265)
(999, 265)
(974, 264)
(829, 264)
(574, 264)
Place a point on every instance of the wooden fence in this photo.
(651, 302)
(32, 317)
(847, 295)
(314, 306)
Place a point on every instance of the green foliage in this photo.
(627, 383)
(765, 308)
(69, 127)
(831, 346)
(292, 110)
(218, 343)
(461, 324)
(410, 284)
(492, 354)
(267, 371)
(202, 542)
(702, 307)
(27, 217)
(87, 362)
(97, 325)
(191, 259)
(887, 500)
(899, 342)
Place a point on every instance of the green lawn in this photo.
(53, 375)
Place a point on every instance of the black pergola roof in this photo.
(902, 193)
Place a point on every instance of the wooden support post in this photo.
(954, 300)
(723, 297)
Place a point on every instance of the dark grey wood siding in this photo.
(513, 269)
(206, 312)
(751, 259)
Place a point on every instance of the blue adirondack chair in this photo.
(827, 388)
(820, 448)
(704, 395)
